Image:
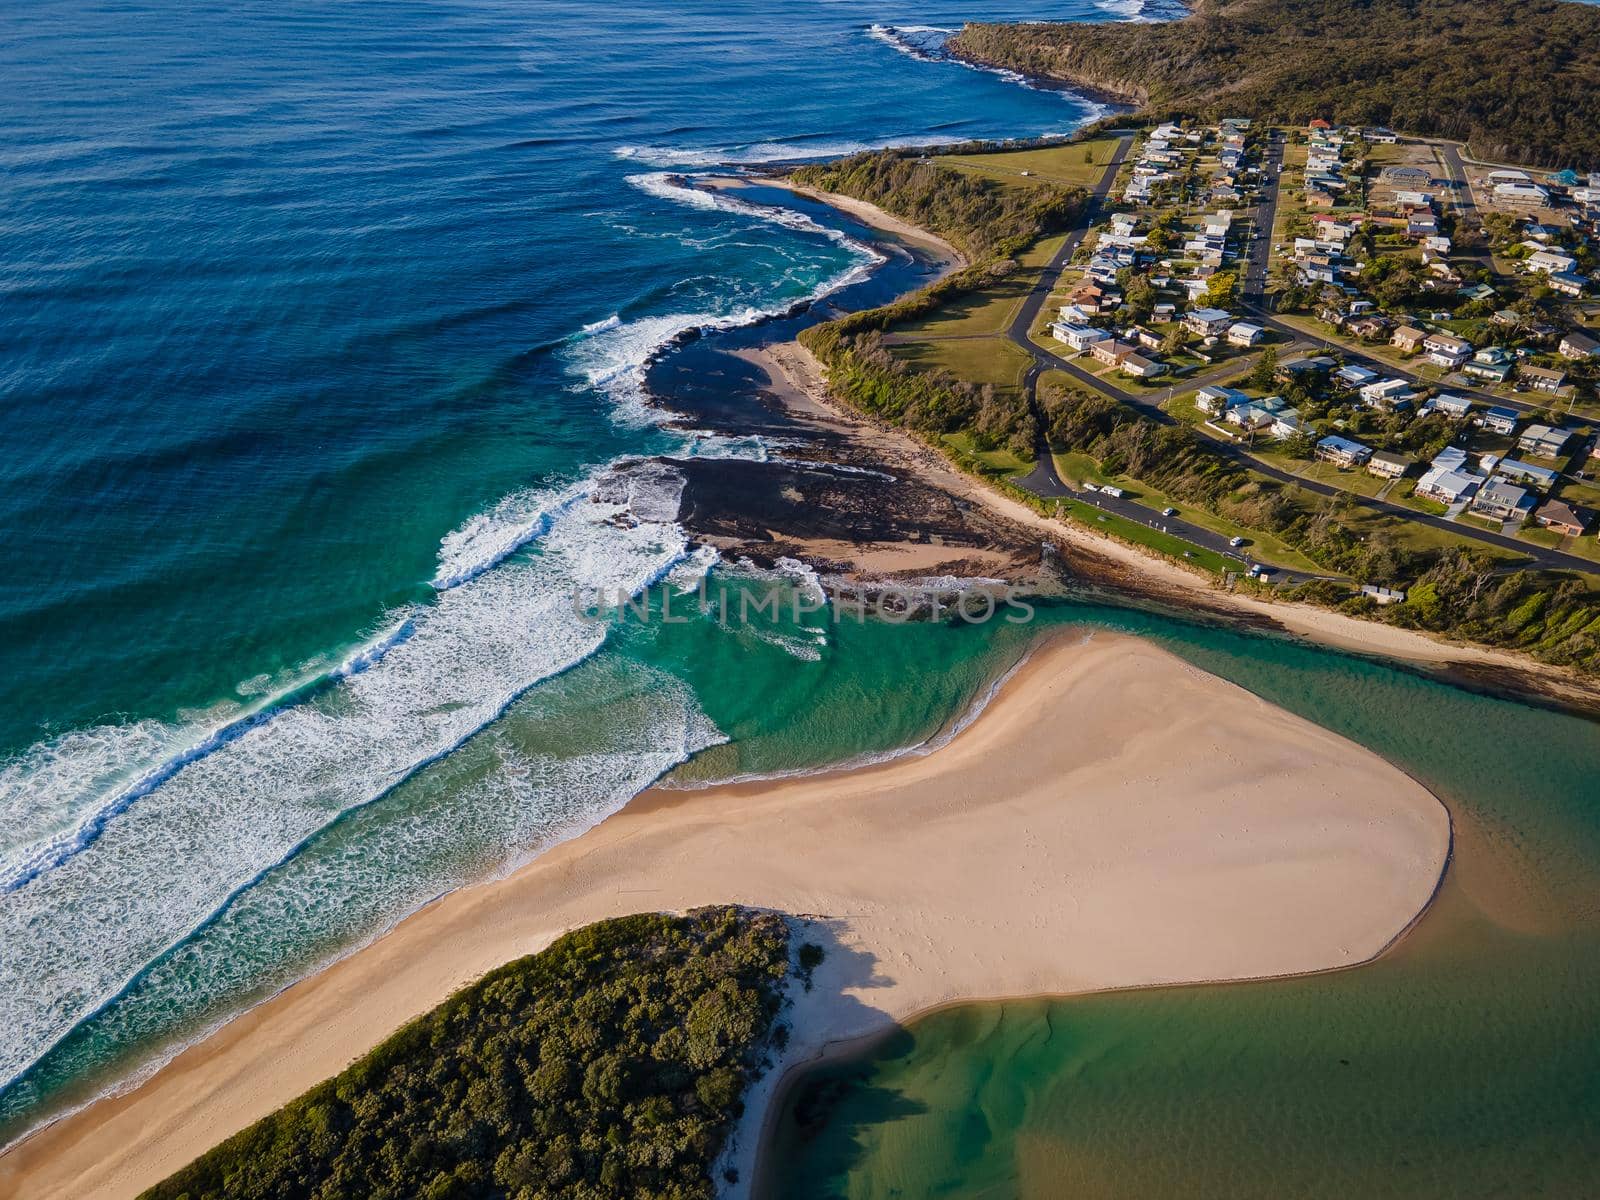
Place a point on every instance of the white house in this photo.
(1446, 350)
(1207, 322)
(1243, 333)
(1550, 262)
(1079, 337)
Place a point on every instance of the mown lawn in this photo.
(1079, 163)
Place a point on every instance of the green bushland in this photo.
(1516, 81)
(992, 224)
(609, 1065)
(985, 218)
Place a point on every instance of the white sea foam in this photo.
(110, 895)
(612, 356)
(925, 43)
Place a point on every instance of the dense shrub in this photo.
(1516, 81)
(608, 1066)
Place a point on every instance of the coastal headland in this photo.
(1115, 818)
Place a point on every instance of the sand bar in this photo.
(1115, 818)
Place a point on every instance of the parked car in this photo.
(1169, 511)
(1236, 542)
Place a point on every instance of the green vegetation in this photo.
(937, 388)
(987, 219)
(1516, 81)
(610, 1065)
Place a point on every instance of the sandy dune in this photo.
(1115, 818)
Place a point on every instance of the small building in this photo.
(1207, 322)
(1243, 333)
(1518, 471)
(1383, 595)
(1213, 399)
(1110, 351)
(1446, 350)
(1499, 420)
(1354, 376)
(1446, 484)
(1546, 441)
(1388, 466)
(1549, 262)
(1541, 379)
(1501, 500)
(1578, 345)
(1141, 367)
(1408, 338)
(1452, 406)
(1342, 451)
(1568, 283)
(1562, 517)
(1387, 394)
(1079, 337)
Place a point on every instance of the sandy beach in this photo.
(1114, 818)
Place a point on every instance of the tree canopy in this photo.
(610, 1065)
(1516, 81)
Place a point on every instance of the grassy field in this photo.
(1079, 163)
(991, 309)
(992, 462)
(978, 360)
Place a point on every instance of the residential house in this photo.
(1243, 333)
(1518, 471)
(1562, 517)
(1355, 377)
(1445, 484)
(1371, 327)
(1388, 466)
(1541, 379)
(1446, 350)
(1387, 394)
(1545, 441)
(1110, 351)
(1383, 595)
(1520, 195)
(1578, 345)
(1343, 451)
(1149, 339)
(1079, 337)
(1492, 364)
(1207, 322)
(1501, 501)
(1214, 399)
(1408, 338)
(1499, 420)
(1568, 283)
(1549, 262)
(1452, 406)
(1141, 367)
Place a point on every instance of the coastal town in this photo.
(1362, 312)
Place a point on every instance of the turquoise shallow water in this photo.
(1463, 1064)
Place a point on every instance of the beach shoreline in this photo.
(1053, 846)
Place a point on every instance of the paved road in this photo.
(1044, 479)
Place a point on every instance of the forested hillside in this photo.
(1519, 82)
(609, 1066)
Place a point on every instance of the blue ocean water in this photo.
(320, 332)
